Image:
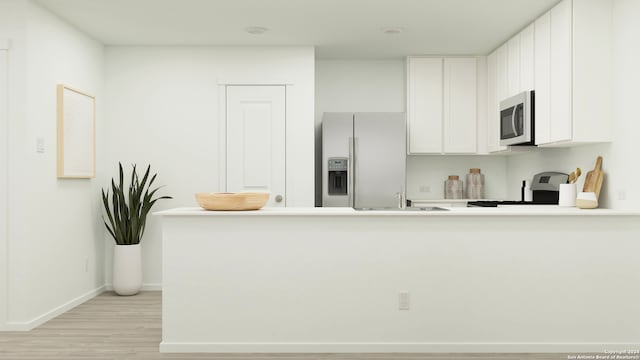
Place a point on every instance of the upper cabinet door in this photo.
(502, 86)
(513, 72)
(527, 58)
(424, 107)
(561, 83)
(460, 105)
(493, 105)
(542, 65)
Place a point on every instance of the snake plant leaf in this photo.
(126, 214)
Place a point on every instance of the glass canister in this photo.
(453, 187)
(475, 184)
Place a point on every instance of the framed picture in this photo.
(76, 133)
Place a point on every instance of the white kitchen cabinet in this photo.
(520, 69)
(573, 73)
(510, 70)
(460, 106)
(502, 56)
(513, 65)
(493, 105)
(527, 72)
(560, 126)
(424, 104)
(542, 64)
(441, 105)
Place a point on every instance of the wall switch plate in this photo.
(622, 195)
(40, 145)
(425, 188)
(404, 301)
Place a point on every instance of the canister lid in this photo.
(453, 177)
(474, 171)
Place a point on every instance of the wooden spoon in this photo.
(572, 178)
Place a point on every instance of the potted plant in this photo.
(127, 216)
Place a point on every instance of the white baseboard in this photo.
(145, 287)
(31, 324)
(578, 348)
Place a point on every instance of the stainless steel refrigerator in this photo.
(364, 160)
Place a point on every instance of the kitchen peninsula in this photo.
(340, 280)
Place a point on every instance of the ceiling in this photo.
(337, 28)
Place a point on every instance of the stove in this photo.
(490, 203)
(545, 187)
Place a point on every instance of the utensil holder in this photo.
(567, 196)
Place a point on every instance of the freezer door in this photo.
(337, 134)
(379, 156)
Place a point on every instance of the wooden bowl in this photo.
(232, 201)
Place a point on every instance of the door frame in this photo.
(222, 125)
(4, 186)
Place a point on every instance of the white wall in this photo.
(523, 166)
(12, 31)
(163, 110)
(380, 85)
(426, 179)
(55, 250)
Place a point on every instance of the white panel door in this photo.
(424, 105)
(561, 83)
(256, 141)
(460, 105)
(542, 64)
(4, 86)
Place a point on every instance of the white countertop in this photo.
(511, 210)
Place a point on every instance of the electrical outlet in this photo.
(622, 195)
(425, 188)
(86, 265)
(404, 301)
(40, 145)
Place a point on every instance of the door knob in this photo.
(278, 198)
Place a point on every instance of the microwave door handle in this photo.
(513, 121)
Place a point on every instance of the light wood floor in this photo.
(114, 327)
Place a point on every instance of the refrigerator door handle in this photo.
(350, 177)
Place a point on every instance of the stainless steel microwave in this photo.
(517, 119)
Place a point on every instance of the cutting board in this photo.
(593, 181)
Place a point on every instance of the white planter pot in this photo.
(127, 269)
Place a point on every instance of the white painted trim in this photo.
(4, 183)
(240, 82)
(222, 138)
(29, 325)
(173, 347)
(145, 287)
(151, 287)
